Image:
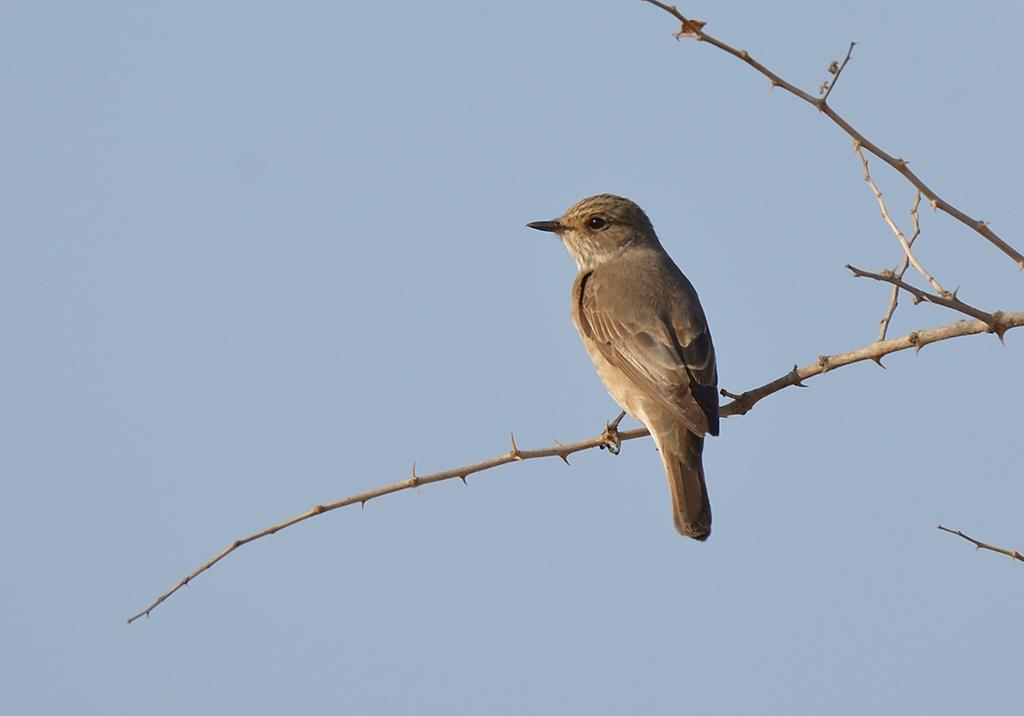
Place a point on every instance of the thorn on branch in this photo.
(794, 378)
(999, 327)
(514, 452)
(741, 402)
(564, 455)
(915, 340)
(414, 480)
(463, 478)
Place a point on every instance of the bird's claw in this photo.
(610, 438)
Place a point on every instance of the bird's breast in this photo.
(618, 385)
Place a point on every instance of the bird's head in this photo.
(599, 228)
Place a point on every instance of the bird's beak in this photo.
(553, 226)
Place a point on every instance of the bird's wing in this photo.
(665, 350)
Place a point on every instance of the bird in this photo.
(643, 326)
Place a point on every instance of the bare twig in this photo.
(740, 404)
(695, 29)
(915, 215)
(895, 229)
(836, 69)
(982, 545)
(994, 320)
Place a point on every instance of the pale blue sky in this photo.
(255, 256)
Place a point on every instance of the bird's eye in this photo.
(597, 223)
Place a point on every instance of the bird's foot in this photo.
(610, 438)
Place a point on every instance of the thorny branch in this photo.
(982, 545)
(695, 29)
(611, 438)
(740, 404)
(994, 320)
(894, 298)
(908, 254)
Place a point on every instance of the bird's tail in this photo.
(691, 509)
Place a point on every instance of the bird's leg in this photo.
(610, 438)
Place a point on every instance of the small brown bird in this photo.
(643, 326)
